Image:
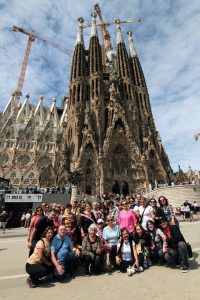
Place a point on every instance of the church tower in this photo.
(110, 132)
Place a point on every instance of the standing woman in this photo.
(111, 234)
(145, 212)
(127, 257)
(168, 210)
(157, 212)
(126, 218)
(86, 219)
(39, 263)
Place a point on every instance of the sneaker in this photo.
(130, 271)
(145, 264)
(149, 262)
(30, 283)
(185, 269)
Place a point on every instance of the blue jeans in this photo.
(67, 264)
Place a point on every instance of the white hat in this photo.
(99, 221)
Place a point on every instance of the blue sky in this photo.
(167, 43)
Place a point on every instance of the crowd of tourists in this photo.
(128, 235)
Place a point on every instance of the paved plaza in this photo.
(154, 283)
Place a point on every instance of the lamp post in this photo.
(74, 179)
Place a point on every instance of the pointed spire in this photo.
(25, 109)
(79, 39)
(10, 106)
(94, 27)
(119, 32)
(131, 44)
(53, 112)
(27, 112)
(40, 110)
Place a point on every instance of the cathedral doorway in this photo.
(125, 189)
(88, 189)
(116, 188)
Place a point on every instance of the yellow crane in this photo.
(31, 38)
(105, 35)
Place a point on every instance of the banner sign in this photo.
(28, 198)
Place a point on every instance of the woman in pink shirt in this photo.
(127, 218)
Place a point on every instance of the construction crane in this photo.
(31, 38)
(105, 35)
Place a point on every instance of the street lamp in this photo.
(74, 179)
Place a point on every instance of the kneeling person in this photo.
(62, 254)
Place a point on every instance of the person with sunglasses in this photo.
(127, 218)
(176, 253)
(158, 213)
(34, 220)
(111, 234)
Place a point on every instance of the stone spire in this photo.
(25, 109)
(40, 110)
(79, 39)
(131, 44)
(119, 32)
(53, 112)
(94, 27)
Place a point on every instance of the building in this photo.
(106, 127)
(110, 132)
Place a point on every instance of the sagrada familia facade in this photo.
(106, 127)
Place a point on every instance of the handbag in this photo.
(189, 250)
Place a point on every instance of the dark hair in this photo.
(68, 205)
(122, 230)
(161, 205)
(150, 222)
(46, 230)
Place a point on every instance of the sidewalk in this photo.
(14, 232)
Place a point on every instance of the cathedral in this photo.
(106, 127)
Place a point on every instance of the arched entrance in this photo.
(116, 188)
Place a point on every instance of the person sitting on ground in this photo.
(39, 263)
(62, 254)
(92, 251)
(176, 253)
(158, 248)
(143, 242)
(127, 257)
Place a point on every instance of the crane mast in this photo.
(31, 38)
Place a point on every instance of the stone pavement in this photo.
(154, 283)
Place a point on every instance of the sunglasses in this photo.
(111, 220)
(39, 210)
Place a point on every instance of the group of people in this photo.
(129, 235)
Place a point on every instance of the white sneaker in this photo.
(140, 269)
(130, 271)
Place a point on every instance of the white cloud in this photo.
(167, 42)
